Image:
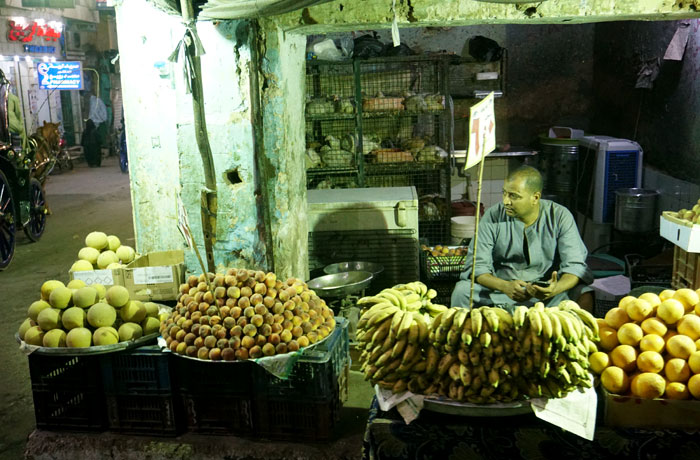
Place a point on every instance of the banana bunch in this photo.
(487, 355)
(391, 339)
(414, 297)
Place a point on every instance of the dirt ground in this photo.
(81, 201)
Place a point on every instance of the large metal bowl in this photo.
(340, 284)
(372, 267)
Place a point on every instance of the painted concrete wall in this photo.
(283, 75)
(164, 159)
(147, 36)
(662, 119)
(343, 15)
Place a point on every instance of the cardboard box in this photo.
(107, 278)
(635, 412)
(680, 232)
(608, 292)
(155, 276)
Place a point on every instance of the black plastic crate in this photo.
(67, 392)
(315, 374)
(146, 414)
(444, 291)
(144, 370)
(211, 377)
(297, 419)
(209, 412)
(646, 274)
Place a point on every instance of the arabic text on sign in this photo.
(26, 33)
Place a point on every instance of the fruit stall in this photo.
(132, 345)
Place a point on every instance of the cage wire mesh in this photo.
(404, 125)
(467, 77)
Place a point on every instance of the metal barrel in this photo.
(636, 210)
(558, 163)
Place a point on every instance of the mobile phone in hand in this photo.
(541, 283)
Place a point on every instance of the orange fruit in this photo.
(601, 322)
(652, 298)
(616, 317)
(689, 325)
(697, 309)
(666, 294)
(697, 344)
(626, 300)
(677, 390)
(616, 381)
(633, 382)
(677, 370)
(694, 386)
(650, 361)
(687, 297)
(670, 311)
(694, 362)
(639, 309)
(608, 338)
(654, 326)
(624, 357)
(630, 334)
(669, 334)
(649, 385)
(652, 342)
(599, 361)
(680, 346)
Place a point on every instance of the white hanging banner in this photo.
(482, 131)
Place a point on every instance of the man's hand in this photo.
(516, 290)
(544, 293)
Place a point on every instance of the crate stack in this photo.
(685, 234)
(145, 391)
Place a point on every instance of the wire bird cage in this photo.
(396, 250)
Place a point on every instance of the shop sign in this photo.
(39, 49)
(25, 32)
(482, 131)
(60, 75)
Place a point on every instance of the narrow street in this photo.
(81, 201)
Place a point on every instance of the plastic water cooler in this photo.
(608, 164)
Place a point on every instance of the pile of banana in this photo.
(482, 355)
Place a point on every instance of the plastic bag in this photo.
(367, 46)
(327, 51)
(484, 49)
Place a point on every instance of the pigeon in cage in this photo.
(344, 105)
(313, 160)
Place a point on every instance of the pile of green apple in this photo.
(103, 251)
(77, 315)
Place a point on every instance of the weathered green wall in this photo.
(282, 104)
(375, 14)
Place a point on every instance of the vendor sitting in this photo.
(522, 241)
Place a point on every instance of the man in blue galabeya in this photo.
(529, 250)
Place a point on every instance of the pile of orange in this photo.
(651, 346)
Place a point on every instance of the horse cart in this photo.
(22, 174)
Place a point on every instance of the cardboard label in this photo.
(482, 131)
(103, 277)
(153, 275)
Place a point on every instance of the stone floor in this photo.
(81, 201)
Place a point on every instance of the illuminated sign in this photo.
(39, 49)
(60, 75)
(21, 31)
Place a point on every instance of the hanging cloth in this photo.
(188, 39)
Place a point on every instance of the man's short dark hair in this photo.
(531, 176)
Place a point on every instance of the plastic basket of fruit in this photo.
(67, 392)
(315, 374)
(443, 262)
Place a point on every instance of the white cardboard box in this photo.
(680, 232)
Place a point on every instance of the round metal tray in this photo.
(374, 268)
(340, 284)
(451, 407)
(82, 351)
(311, 346)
